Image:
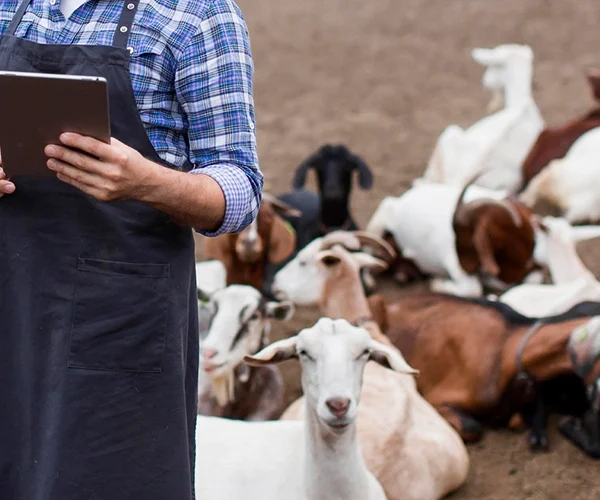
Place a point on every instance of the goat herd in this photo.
(491, 344)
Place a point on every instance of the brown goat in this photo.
(554, 142)
(495, 238)
(466, 352)
(268, 240)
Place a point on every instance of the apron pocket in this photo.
(119, 316)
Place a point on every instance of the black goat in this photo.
(334, 166)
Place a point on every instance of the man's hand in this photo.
(6, 187)
(108, 172)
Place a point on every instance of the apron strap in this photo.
(121, 36)
(12, 27)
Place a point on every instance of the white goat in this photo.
(315, 459)
(572, 281)
(413, 452)
(420, 220)
(571, 183)
(498, 143)
(239, 325)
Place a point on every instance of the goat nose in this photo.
(338, 406)
(209, 353)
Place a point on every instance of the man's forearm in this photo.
(191, 200)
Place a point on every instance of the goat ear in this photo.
(366, 261)
(582, 233)
(365, 176)
(390, 358)
(282, 241)
(329, 259)
(281, 207)
(274, 353)
(281, 311)
(302, 170)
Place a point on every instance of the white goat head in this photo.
(303, 280)
(333, 355)
(239, 325)
(505, 64)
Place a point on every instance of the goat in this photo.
(316, 458)
(498, 143)
(267, 241)
(411, 450)
(481, 362)
(554, 142)
(571, 183)
(572, 281)
(211, 276)
(494, 240)
(584, 350)
(427, 233)
(239, 325)
(334, 165)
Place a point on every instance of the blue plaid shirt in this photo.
(191, 71)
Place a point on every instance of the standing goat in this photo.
(411, 450)
(334, 166)
(571, 183)
(316, 458)
(239, 326)
(268, 241)
(497, 144)
(554, 142)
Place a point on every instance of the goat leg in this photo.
(469, 429)
(536, 417)
(583, 432)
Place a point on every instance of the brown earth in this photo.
(385, 77)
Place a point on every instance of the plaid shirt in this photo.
(191, 70)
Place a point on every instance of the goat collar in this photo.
(522, 373)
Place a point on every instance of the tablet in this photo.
(35, 108)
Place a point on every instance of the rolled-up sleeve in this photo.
(213, 83)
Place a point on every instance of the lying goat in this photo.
(571, 183)
(572, 281)
(498, 143)
(411, 450)
(427, 233)
(239, 326)
(334, 166)
(554, 142)
(314, 459)
(480, 362)
(268, 241)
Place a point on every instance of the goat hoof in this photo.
(538, 443)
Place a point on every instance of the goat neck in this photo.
(344, 297)
(333, 466)
(564, 262)
(545, 354)
(518, 86)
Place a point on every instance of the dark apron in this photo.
(98, 319)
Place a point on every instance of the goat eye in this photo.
(254, 317)
(365, 353)
(303, 354)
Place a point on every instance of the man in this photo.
(98, 312)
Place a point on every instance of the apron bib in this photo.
(98, 319)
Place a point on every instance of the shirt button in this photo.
(130, 6)
(52, 2)
(122, 28)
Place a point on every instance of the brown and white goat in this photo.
(554, 142)
(406, 444)
(268, 240)
(239, 323)
(495, 239)
(480, 361)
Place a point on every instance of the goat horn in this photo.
(345, 238)
(376, 242)
(281, 206)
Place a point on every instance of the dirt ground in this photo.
(385, 77)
